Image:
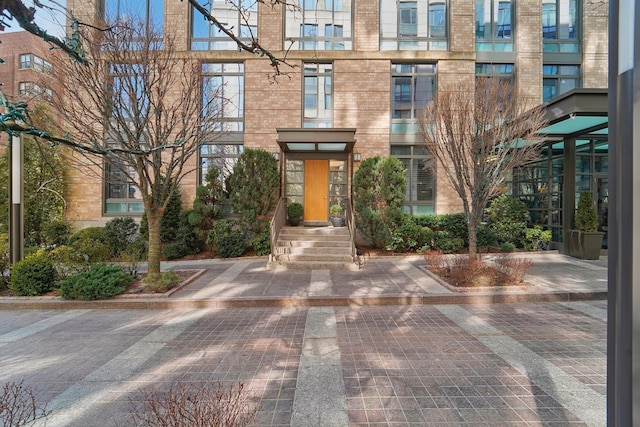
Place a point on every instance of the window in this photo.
(319, 25)
(242, 21)
(494, 25)
(420, 193)
(318, 95)
(122, 196)
(151, 12)
(559, 26)
(557, 79)
(29, 60)
(502, 71)
(413, 25)
(223, 91)
(413, 87)
(220, 156)
(33, 90)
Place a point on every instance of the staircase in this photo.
(317, 248)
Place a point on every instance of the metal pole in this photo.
(623, 327)
(16, 205)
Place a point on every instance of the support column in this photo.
(623, 334)
(16, 209)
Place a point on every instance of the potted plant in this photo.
(294, 212)
(335, 213)
(586, 240)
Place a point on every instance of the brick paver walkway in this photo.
(443, 365)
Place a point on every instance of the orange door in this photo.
(316, 188)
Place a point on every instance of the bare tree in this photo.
(137, 109)
(477, 136)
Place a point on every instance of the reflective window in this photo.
(151, 12)
(420, 193)
(413, 87)
(223, 94)
(122, 195)
(558, 79)
(560, 26)
(318, 95)
(494, 25)
(319, 25)
(220, 156)
(29, 60)
(242, 21)
(413, 25)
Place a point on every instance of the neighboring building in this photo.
(365, 69)
(27, 68)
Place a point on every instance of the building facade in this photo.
(363, 71)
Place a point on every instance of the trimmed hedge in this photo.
(34, 275)
(100, 282)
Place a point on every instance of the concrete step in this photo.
(312, 265)
(319, 258)
(314, 244)
(318, 251)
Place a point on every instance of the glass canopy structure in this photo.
(573, 159)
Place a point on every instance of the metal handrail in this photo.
(351, 225)
(277, 222)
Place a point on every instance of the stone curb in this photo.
(267, 302)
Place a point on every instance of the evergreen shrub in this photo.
(508, 217)
(100, 282)
(229, 237)
(34, 275)
(119, 233)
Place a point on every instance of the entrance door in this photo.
(316, 186)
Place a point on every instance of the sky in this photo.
(52, 21)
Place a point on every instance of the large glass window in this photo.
(220, 156)
(242, 20)
(541, 186)
(121, 194)
(320, 25)
(151, 12)
(413, 87)
(413, 25)
(494, 25)
(223, 93)
(31, 89)
(560, 26)
(318, 95)
(420, 193)
(503, 72)
(557, 79)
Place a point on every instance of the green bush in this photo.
(161, 282)
(119, 233)
(507, 247)
(447, 244)
(34, 275)
(261, 243)
(97, 234)
(536, 238)
(100, 282)
(228, 236)
(410, 237)
(56, 233)
(92, 250)
(68, 261)
(170, 220)
(508, 217)
(454, 224)
(4, 262)
(133, 255)
(187, 241)
(485, 236)
(586, 215)
(379, 192)
(207, 206)
(295, 210)
(253, 188)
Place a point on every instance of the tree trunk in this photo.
(153, 219)
(473, 247)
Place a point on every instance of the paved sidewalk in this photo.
(245, 282)
(331, 353)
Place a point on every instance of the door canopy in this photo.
(316, 140)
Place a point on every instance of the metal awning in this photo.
(579, 113)
(314, 140)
